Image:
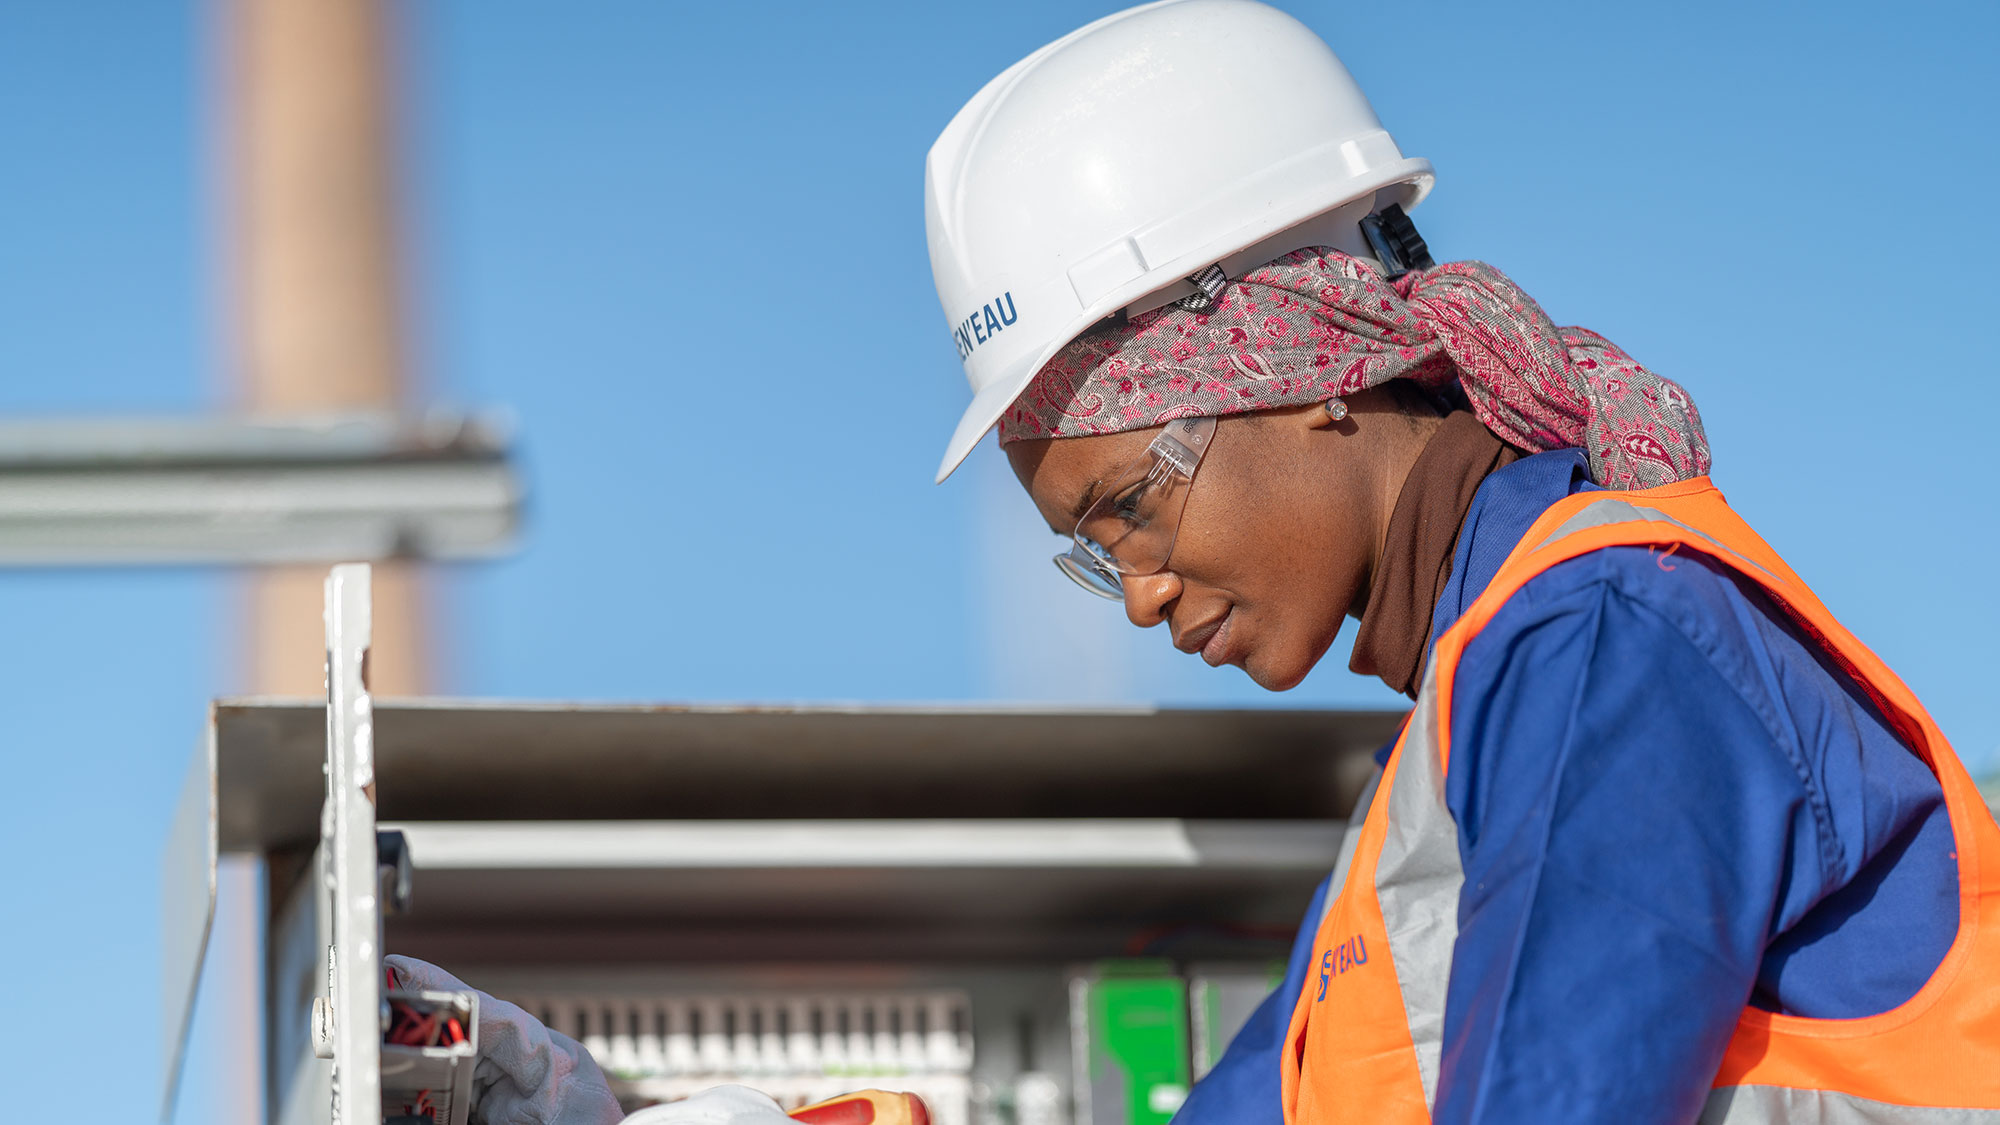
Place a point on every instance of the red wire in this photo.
(410, 1028)
(407, 1028)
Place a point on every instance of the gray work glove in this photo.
(721, 1105)
(525, 1073)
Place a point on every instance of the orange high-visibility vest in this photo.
(1366, 1047)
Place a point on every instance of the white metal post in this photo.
(349, 1026)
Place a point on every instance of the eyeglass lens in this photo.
(1131, 527)
(1133, 524)
(1089, 573)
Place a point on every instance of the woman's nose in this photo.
(1148, 597)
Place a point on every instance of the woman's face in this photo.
(1276, 543)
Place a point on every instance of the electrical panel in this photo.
(1025, 916)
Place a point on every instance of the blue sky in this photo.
(684, 244)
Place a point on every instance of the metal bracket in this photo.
(366, 873)
(392, 870)
(348, 850)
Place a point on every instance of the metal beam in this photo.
(219, 491)
(478, 760)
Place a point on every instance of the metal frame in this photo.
(236, 491)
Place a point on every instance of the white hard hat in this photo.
(1098, 173)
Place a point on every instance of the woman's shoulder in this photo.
(1661, 644)
(1698, 595)
(1630, 604)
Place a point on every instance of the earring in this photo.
(1336, 409)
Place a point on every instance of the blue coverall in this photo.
(1669, 805)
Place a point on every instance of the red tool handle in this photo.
(866, 1107)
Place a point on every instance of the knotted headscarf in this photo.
(1316, 324)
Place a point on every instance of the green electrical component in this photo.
(1129, 1022)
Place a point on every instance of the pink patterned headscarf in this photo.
(1317, 323)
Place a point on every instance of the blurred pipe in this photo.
(318, 318)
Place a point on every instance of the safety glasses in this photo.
(1130, 528)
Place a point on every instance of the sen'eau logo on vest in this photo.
(985, 323)
(1349, 954)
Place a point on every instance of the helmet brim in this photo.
(985, 410)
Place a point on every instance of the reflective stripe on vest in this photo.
(1781, 1105)
(1348, 838)
(1365, 1038)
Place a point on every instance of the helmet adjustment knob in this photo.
(1396, 242)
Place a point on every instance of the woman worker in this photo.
(1660, 840)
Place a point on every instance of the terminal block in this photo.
(428, 1054)
(798, 1048)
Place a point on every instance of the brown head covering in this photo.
(1418, 549)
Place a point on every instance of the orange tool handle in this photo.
(866, 1107)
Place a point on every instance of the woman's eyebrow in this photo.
(1084, 502)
